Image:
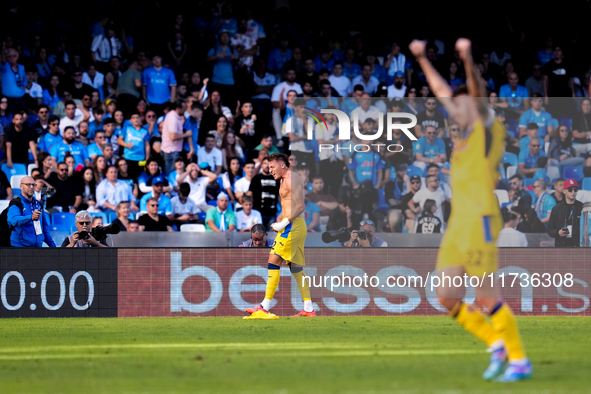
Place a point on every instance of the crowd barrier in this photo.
(195, 282)
(233, 239)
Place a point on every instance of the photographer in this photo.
(83, 237)
(258, 238)
(365, 237)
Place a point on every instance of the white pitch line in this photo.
(330, 349)
(25, 357)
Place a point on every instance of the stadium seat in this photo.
(213, 203)
(503, 172)
(221, 182)
(192, 228)
(139, 214)
(528, 181)
(60, 227)
(502, 196)
(30, 168)
(568, 122)
(511, 159)
(586, 184)
(4, 205)
(66, 219)
(202, 215)
(101, 215)
(113, 216)
(17, 169)
(574, 172)
(412, 170)
(546, 147)
(511, 170)
(552, 173)
(16, 192)
(15, 181)
(382, 204)
(503, 205)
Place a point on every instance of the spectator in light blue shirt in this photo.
(532, 132)
(164, 206)
(544, 202)
(223, 58)
(51, 97)
(112, 191)
(323, 61)
(14, 78)
(52, 137)
(159, 84)
(350, 69)
(225, 22)
(528, 159)
(279, 56)
(514, 94)
(76, 149)
(429, 149)
(538, 116)
(136, 141)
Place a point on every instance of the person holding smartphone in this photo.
(565, 218)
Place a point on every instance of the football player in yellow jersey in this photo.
(290, 240)
(468, 246)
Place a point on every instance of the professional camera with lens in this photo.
(342, 235)
(363, 234)
(99, 233)
(47, 192)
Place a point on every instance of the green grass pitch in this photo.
(289, 355)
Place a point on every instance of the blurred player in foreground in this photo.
(289, 243)
(468, 246)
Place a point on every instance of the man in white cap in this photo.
(221, 219)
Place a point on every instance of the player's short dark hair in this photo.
(53, 118)
(516, 176)
(42, 106)
(246, 198)
(358, 88)
(247, 162)
(69, 102)
(210, 136)
(430, 176)
(317, 177)
(324, 82)
(258, 228)
(535, 95)
(68, 128)
(532, 126)
(432, 165)
(338, 62)
(279, 157)
(184, 189)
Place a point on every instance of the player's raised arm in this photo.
(473, 79)
(438, 85)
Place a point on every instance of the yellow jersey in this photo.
(475, 171)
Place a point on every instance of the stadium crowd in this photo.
(177, 131)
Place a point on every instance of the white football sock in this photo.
(308, 306)
(266, 304)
